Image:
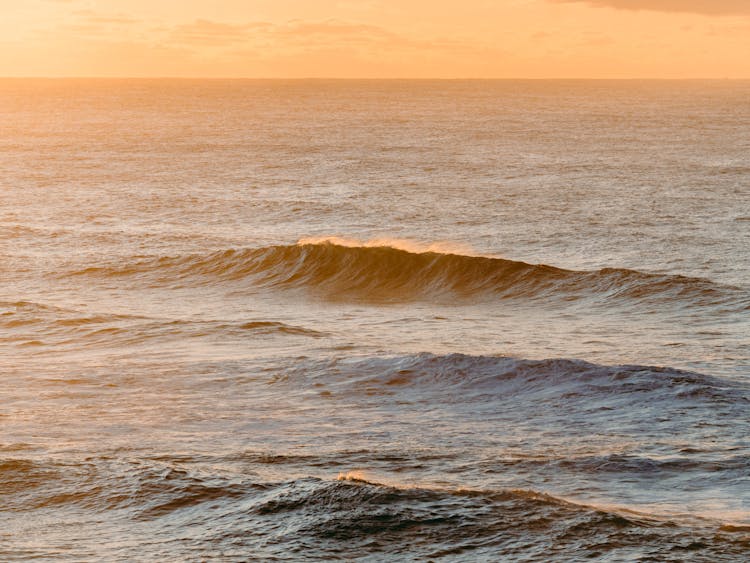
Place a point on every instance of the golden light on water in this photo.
(377, 38)
(374, 319)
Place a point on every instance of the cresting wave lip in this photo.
(362, 478)
(383, 273)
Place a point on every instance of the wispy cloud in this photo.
(299, 35)
(203, 33)
(114, 20)
(706, 7)
(93, 42)
(255, 48)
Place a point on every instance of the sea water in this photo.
(413, 320)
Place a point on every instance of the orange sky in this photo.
(377, 38)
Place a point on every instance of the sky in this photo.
(376, 38)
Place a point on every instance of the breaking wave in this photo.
(351, 517)
(379, 272)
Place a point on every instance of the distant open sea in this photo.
(374, 320)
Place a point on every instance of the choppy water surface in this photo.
(386, 320)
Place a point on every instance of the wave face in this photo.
(631, 401)
(386, 273)
(492, 377)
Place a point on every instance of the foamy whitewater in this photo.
(340, 320)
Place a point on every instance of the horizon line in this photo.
(385, 78)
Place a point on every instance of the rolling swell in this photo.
(385, 273)
(468, 377)
(24, 323)
(548, 400)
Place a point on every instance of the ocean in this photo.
(374, 320)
